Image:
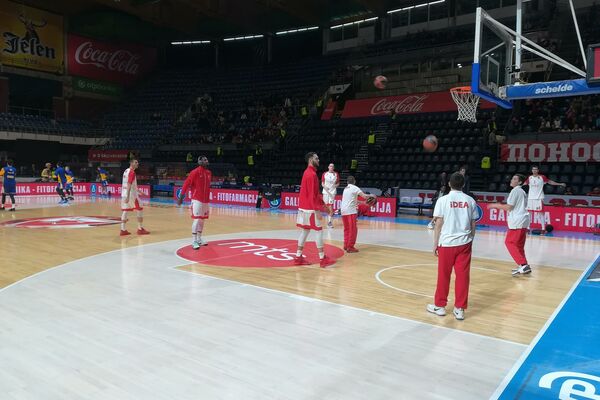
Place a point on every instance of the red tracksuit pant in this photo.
(350, 230)
(458, 257)
(515, 244)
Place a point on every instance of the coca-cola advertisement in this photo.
(123, 63)
(406, 104)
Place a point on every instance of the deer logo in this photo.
(31, 26)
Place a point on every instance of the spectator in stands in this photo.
(467, 187)
(189, 157)
(33, 170)
(569, 191)
(47, 173)
(595, 192)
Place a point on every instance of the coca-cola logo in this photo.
(409, 104)
(120, 60)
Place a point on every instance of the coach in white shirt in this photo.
(518, 224)
(455, 219)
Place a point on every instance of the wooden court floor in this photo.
(381, 278)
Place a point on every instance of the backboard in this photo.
(497, 63)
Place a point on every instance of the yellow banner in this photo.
(31, 38)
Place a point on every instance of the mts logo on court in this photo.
(572, 385)
(260, 250)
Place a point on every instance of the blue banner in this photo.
(575, 87)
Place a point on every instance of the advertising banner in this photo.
(575, 219)
(405, 104)
(108, 155)
(79, 188)
(31, 38)
(122, 63)
(96, 87)
(385, 207)
(567, 151)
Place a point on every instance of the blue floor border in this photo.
(563, 360)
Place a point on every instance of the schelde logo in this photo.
(410, 104)
(565, 87)
(583, 386)
(62, 222)
(254, 253)
(120, 60)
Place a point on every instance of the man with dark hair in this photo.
(198, 182)
(349, 211)
(61, 178)
(455, 218)
(518, 223)
(535, 197)
(9, 178)
(467, 186)
(130, 199)
(309, 210)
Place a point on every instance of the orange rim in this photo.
(461, 89)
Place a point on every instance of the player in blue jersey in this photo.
(103, 175)
(61, 177)
(70, 177)
(9, 177)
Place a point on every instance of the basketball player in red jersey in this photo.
(309, 210)
(455, 218)
(130, 199)
(330, 180)
(198, 182)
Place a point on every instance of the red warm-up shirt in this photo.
(310, 197)
(199, 183)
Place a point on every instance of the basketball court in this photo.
(88, 313)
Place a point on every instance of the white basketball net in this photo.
(466, 102)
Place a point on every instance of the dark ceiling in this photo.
(213, 19)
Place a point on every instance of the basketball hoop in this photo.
(466, 102)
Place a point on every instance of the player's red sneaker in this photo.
(124, 233)
(300, 261)
(326, 262)
(142, 231)
(352, 250)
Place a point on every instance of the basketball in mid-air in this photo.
(371, 201)
(430, 144)
(380, 82)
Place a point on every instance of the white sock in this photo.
(301, 240)
(195, 236)
(321, 253)
(123, 219)
(329, 218)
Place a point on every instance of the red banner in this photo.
(123, 63)
(79, 188)
(108, 155)
(574, 219)
(406, 104)
(573, 151)
(385, 207)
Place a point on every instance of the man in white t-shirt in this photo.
(535, 198)
(130, 199)
(455, 219)
(518, 224)
(349, 211)
(330, 180)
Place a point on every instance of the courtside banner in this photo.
(108, 155)
(234, 197)
(567, 151)
(122, 63)
(385, 207)
(574, 219)
(79, 188)
(406, 104)
(31, 38)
